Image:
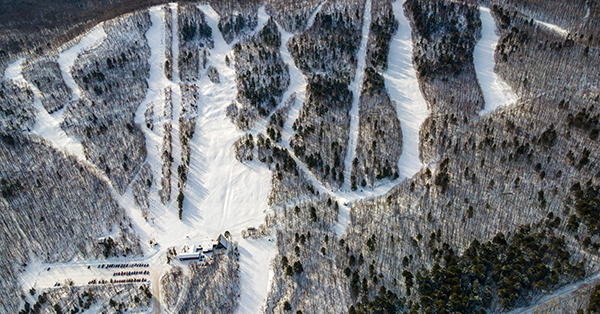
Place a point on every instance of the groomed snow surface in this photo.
(496, 92)
(356, 89)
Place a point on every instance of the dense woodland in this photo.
(45, 74)
(101, 298)
(237, 17)
(195, 38)
(261, 76)
(444, 36)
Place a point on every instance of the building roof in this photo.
(222, 243)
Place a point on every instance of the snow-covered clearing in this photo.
(403, 87)
(555, 28)
(496, 92)
(46, 126)
(356, 89)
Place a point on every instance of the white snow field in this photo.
(496, 92)
(356, 88)
(46, 126)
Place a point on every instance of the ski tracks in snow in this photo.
(356, 88)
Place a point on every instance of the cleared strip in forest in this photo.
(356, 88)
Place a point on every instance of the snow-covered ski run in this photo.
(496, 92)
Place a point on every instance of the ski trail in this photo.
(411, 107)
(496, 92)
(46, 126)
(224, 194)
(403, 86)
(177, 107)
(157, 82)
(356, 88)
(66, 60)
(311, 20)
(297, 80)
(553, 27)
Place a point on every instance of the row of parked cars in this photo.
(127, 265)
(131, 273)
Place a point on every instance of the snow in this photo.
(255, 277)
(560, 293)
(403, 86)
(496, 92)
(46, 126)
(555, 28)
(223, 194)
(356, 88)
(67, 58)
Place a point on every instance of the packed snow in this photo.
(255, 272)
(496, 92)
(356, 88)
(403, 86)
(553, 27)
(46, 126)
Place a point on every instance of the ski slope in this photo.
(356, 89)
(66, 60)
(46, 126)
(403, 87)
(496, 92)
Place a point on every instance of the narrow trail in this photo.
(560, 293)
(356, 89)
(496, 92)
(66, 60)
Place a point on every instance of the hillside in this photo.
(250, 156)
